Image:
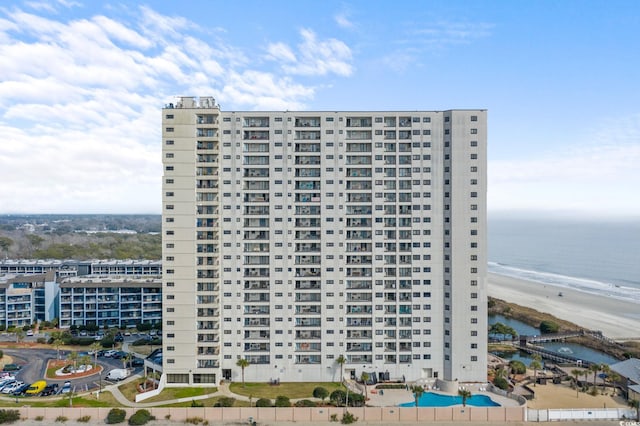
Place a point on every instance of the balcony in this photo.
(358, 172)
(255, 135)
(307, 135)
(256, 122)
(307, 122)
(308, 159)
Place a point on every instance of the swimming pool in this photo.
(430, 399)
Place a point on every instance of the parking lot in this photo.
(33, 365)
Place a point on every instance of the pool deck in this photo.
(395, 397)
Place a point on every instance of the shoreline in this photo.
(614, 317)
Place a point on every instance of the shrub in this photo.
(517, 367)
(282, 401)
(501, 382)
(320, 392)
(1, 354)
(84, 419)
(305, 403)
(338, 397)
(356, 400)
(225, 401)
(39, 418)
(141, 417)
(195, 403)
(61, 419)
(263, 402)
(194, 420)
(9, 416)
(392, 386)
(107, 342)
(116, 415)
(348, 418)
(41, 340)
(333, 418)
(547, 327)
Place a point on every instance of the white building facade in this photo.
(292, 239)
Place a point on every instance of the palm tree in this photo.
(465, 394)
(73, 358)
(341, 361)
(126, 359)
(242, 363)
(606, 371)
(634, 403)
(417, 393)
(535, 364)
(576, 373)
(85, 360)
(57, 341)
(20, 335)
(365, 378)
(95, 347)
(614, 378)
(594, 368)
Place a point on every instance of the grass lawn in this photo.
(106, 400)
(293, 390)
(176, 393)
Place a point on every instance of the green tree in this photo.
(634, 403)
(548, 327)
(365, 378)
(576, 373)
(73, 358)
(85, 360)
(321, 393)
(417, 391)
(5, 243)
(464, 394)
(282, 401)
(34, 242)
(517, 367)
(341, 361)
(20, 335)
(242, 363)
(126, 359)
(535, 364)
(95, 347)
(57, 341)
(595, 369)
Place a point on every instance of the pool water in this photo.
(430, 399)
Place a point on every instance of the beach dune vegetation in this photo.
(548, 327)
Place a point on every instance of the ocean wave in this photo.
(631, 294)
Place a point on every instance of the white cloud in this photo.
(313, 56)
(442, 33)
(342, 19)
(80, 101)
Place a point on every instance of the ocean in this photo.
(598, 257)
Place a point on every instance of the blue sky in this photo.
(82, 84)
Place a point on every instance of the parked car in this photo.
(21, 390)
(29, 333)
(136, 362)
(36, 387)
(119, 354)
(66, 388)
(50, 389)
(7, 382)
(109, 353)
(11, 387)
(11, 367)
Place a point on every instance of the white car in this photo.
(13, 386)
(7, 382)
(66, 388)
(110, 353)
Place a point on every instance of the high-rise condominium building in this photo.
(314, 243)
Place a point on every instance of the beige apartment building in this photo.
(296, 239)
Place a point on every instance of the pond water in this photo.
(572, 349)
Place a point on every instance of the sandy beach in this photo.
(615, 318)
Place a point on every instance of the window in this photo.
(474, 118)
(474, 131)
(169, 129)
(169, 142)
